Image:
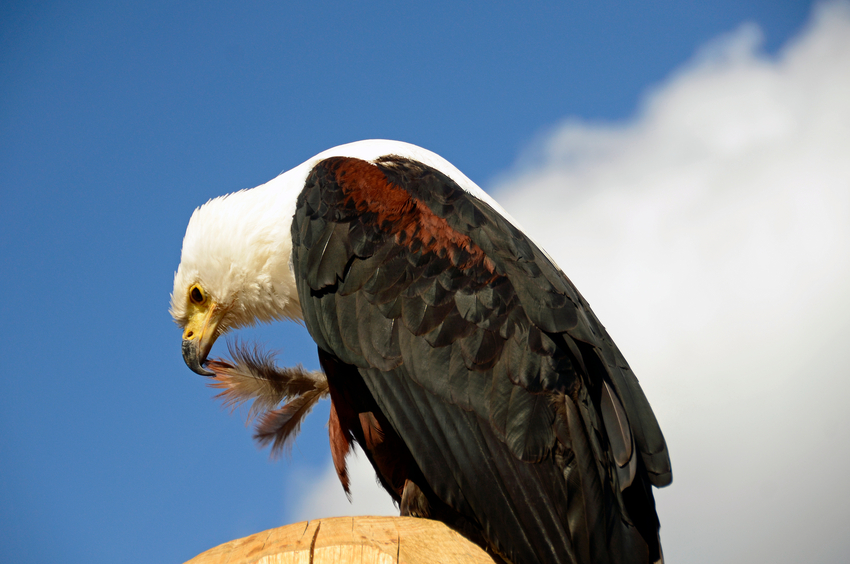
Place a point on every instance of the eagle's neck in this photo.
(260, 220)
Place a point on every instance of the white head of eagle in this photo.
(476, 378)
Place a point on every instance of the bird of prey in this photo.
(456, 353)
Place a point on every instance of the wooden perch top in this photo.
(337, 540)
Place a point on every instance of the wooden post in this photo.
(338, 540)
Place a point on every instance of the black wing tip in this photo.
(661, 480)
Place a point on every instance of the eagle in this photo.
(456, 353)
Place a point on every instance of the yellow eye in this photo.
(196, 295)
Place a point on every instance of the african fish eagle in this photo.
(473, 374)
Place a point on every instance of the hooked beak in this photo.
(199, 336)
(194, 359)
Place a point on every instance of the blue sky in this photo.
(118, 120)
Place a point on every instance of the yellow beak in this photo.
(199, 335)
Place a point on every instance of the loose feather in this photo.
(253, 376)
(280, 426)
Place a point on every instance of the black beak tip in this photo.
(192, 360)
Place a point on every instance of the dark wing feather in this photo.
(508, 396)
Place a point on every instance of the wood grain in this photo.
(337, 540)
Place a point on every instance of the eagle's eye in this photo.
(196, 295)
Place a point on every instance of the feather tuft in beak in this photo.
(253, 376)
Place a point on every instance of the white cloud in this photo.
(323, 496)
(712, 237)
(711, 234)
